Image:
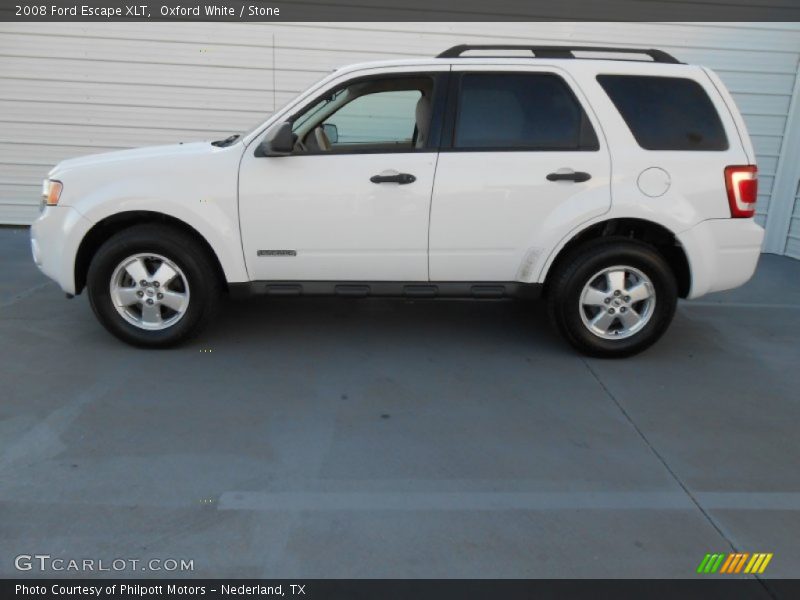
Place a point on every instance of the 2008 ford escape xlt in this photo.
(613, 181)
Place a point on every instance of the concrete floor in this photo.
(375, 438)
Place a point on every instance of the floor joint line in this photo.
(672, 473)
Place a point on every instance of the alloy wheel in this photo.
(617, 302)
(149, 291)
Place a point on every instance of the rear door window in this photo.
(666, 113)
(520, 111)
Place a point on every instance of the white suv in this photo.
(613, 181)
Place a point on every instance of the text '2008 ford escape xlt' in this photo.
(613, 181)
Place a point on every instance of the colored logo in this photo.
(735, 562)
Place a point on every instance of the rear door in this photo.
(520, 152)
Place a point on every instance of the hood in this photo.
(136, 154)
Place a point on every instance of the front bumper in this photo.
(55, 238)
(722, 253)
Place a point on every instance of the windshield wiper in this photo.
(227, 141)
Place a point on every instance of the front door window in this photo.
(376, 115)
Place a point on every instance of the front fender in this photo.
(212, 222)
(197, 187)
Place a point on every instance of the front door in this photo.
(352, 202)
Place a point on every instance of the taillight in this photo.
(741, 181)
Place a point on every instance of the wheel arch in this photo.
(649, 232)
(109, 226)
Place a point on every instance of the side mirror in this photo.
(279, 143)
(332, 132)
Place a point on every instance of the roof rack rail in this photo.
(658, 56)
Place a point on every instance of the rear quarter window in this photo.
(666, 113)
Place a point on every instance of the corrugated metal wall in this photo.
(793, 237)
(784, 220)
(78, 88)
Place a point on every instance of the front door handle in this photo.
(401, 178)
(576, 176)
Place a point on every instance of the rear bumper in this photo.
(55, 238)
(722, 253)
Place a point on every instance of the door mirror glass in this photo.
(280, 142)
(332, 132)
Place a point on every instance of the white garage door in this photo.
(68, 89)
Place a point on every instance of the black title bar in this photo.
(715, 588)
(398, 10)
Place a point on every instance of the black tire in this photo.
(185, 252)
(578, 268)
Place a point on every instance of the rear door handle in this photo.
(401, 178)
(576, 176)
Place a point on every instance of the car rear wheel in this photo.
(153, 286)
(612, 297)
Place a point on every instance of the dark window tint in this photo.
(666, 113)
(520, 111)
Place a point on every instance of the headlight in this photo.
(51, 192)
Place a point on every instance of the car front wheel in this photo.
(153, 286)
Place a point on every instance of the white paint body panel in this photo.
(194, 183)
(697, 187)
(342, 226)
(55, 238)
(723, 254)
(493, 212)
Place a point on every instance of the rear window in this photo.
(666, 113)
